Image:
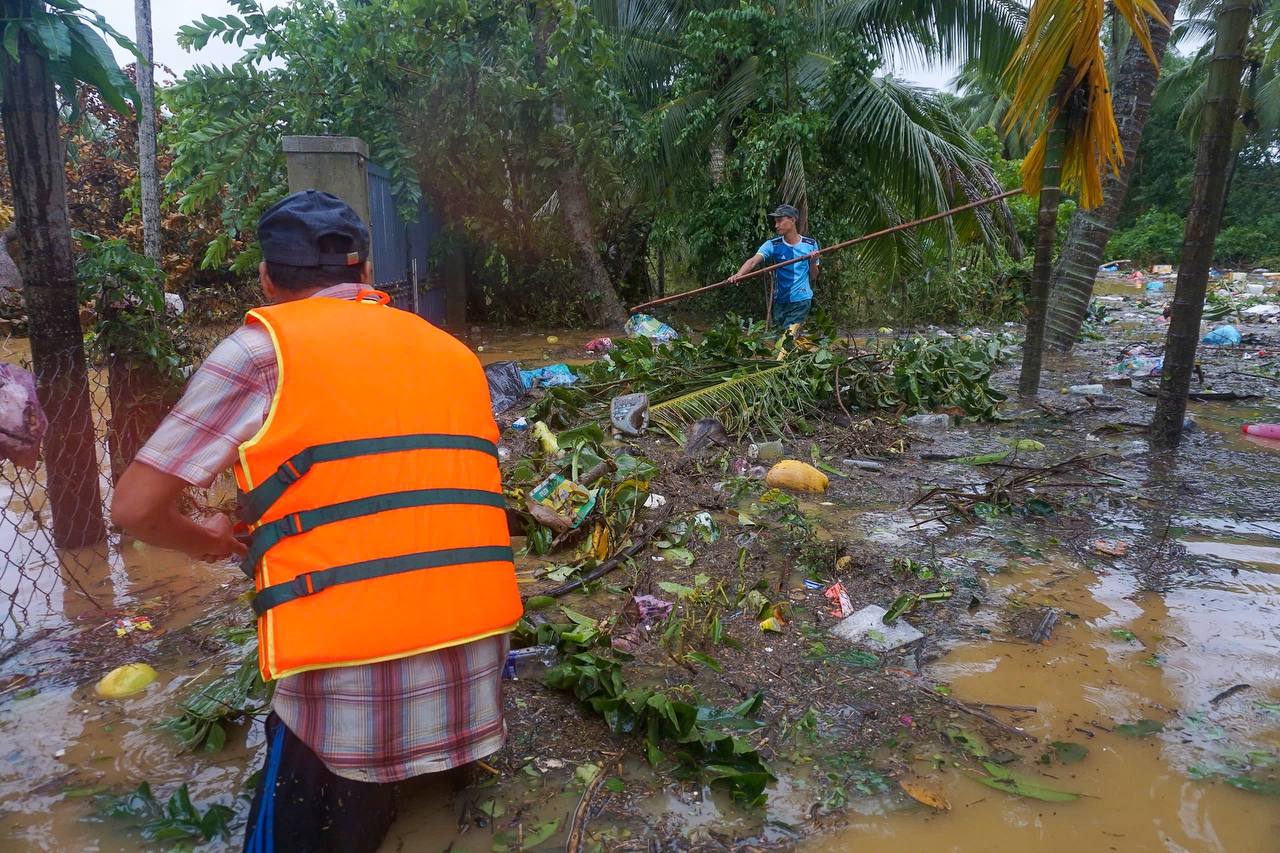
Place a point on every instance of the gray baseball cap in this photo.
(785, 210)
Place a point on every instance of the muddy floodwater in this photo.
(1181, 638)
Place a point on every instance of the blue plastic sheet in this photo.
(1223, 336)
(551, 376)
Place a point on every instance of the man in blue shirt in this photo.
(793, 284)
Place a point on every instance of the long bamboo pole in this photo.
(832, 248)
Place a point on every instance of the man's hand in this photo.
(145, 504)
(222, 540)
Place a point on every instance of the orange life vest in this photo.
(373, 492)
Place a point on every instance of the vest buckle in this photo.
(302, 585)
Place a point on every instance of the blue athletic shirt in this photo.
(791, 283)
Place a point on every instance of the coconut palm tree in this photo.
(1208, 197)
(1072, 284)
(918, 156)
(1061, 97)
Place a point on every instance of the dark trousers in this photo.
(789, 313)
(301, 806)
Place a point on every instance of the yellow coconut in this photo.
(797, 476)
(125, 680)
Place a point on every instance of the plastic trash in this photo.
(867, 628)
(551, 376)
(1089, 390)
(599, 345)
(629, 413)
(529, 662)
(546, 438)
(765, 451)
(506, 385)
(22, 420)
(1110, 268)
(930, 423)
(655, 502)
(864, 464)
(1155, 286)
(797, 476)
(1139, 365)
(520, 424)
(568, 500)
(1267, 309)
(125, 681)
(1262, 430)
(648, 326)
(839, 598)
(1223, 336)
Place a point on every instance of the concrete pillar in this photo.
(332, 164)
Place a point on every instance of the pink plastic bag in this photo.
(22, 421)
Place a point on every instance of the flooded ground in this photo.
(1166, 633)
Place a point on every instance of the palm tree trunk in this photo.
(1082, 252)
(37, 173)
(1046, 230)
(148, 177)
(575, 206)
(603, 305)
(1208, 196)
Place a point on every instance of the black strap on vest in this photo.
(255, 503)
(310, 583)
(267, 535)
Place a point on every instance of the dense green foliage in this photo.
(685, 122)
(1154, 213)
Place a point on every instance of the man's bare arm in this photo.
(145, 504)
(748, 265)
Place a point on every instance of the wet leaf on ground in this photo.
(614, 785)
(970, 742)
(1004, 779)
(1067, 752)
(1142, 728)
(925, 793)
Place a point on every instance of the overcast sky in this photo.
(167, 17)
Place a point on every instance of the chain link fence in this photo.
(42, 585)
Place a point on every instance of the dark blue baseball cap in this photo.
(785, 210)
(291, 230)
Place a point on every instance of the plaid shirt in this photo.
(380, 722)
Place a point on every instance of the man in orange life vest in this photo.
(365, 452)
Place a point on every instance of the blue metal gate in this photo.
(401, 249)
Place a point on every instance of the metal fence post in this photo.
(413, 282)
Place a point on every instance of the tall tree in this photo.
(148, 176)
(1072, 283)
(1208, 196)
(44, 45)
(1059, 72)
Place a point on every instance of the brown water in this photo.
(1211, 636)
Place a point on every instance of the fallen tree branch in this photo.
(641, 542)
(578, 827)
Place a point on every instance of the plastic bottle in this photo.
(1091, 390)
(529, 662)
(1262, 430)
(930, 423)
(769, 451)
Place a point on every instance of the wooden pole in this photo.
(833, 248)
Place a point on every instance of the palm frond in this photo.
(763, 400)
(1060, 63)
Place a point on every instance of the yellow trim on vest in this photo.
(268, 633)
(275, 400)
(301, 669)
